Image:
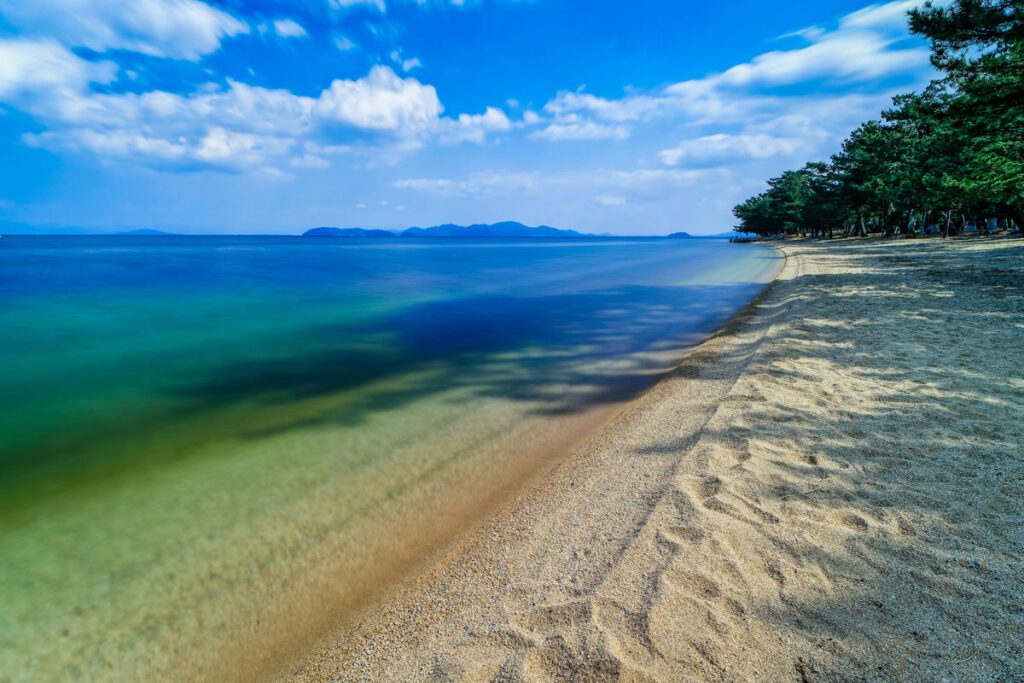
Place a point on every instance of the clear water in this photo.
(199, 433)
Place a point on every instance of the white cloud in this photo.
(575, 128)
(230, 148)
(404, 64)
(475, 127)
(381, 5)
(381, 101)
(735, 115)
(271, 173)
(240, 127)
(344, 4)
(890, 16)
(635, 183)
(838, 56)
(722, 147)
(31, 67)
(309, 160)
(115, 144)
(864, 47)
(809, 33)
(627, 109)
(182, 29)
(674, 178)
(344, 43)
(287, 28)
(215, 147)
(483, 183)
(610, 200)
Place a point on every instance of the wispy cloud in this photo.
(289, 28)
(375, 4)
(500, 182)
(722, 147)
(181, 29)
(866, 46)
(33, 70)
(345, 44)
(610, 200)
(577, 128)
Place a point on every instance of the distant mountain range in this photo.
(503, 229)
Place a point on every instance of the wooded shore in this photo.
(946, 160)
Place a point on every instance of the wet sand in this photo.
(827, 490)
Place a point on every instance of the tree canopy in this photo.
(945, 158)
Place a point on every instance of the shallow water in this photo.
(206, 440)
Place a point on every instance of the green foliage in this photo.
(952, 154)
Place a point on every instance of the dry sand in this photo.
(830, 489)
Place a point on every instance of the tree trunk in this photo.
(1018, 219)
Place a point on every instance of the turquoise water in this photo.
(188, 424)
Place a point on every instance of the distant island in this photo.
(503, 229)
(716, 236)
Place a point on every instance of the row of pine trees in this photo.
(941, 160)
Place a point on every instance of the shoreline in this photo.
(341, 597)
(738, 520)
(396, 601)
(423, 544)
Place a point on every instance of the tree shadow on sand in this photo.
(899, 429)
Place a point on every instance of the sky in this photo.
(222, 116)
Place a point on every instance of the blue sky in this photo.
(271, 117)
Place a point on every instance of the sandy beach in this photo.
(829, 489)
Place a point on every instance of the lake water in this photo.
(212, 449)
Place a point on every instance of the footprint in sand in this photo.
(683, 535)
(693, 583)
(709, 487)
(855, 522)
